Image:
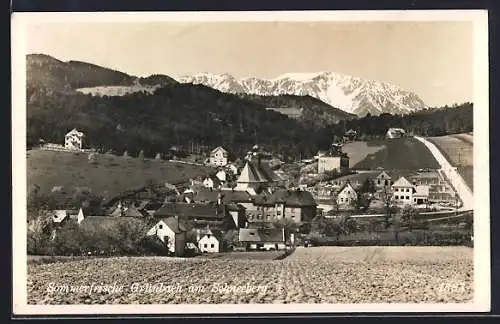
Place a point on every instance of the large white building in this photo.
(405, 193)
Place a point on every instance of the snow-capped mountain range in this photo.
(351, 94)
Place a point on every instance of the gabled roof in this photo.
(176, 226)
(192, 211)
(255, 172)
(257, 235)
(402, 182)
(351, 132)
(134, 212)
(347, 185)
(74, 131)
(214, 179)
(228, 196)
(219, 148)
(295, 198)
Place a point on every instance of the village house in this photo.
(405, 193)
(212, 182)
(266, 239)
(218, 157)
(62, 215)
(350, 135)
(395, 133)
(346, 196)
(383, 180)
(217, 216)
(296, 205)
(335, 159)
(73, 140)
(172, 233)
(209, 242)
(222, 176)
(402, 191)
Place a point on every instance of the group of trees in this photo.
(173, 116)
(179, 114)
(429, 122)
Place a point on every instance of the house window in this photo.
(204, 245)
(212, 246)
(396, 197)
(414, 199)
(407, 190)
(160, 226)
(396, 189)
(407, 198)
(385, 182)
(378, 181)
(341, 199)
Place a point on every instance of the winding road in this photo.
(453, 176)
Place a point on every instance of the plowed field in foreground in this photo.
(310, 275)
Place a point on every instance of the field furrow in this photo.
(310, 275)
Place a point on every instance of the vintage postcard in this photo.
(263, 162)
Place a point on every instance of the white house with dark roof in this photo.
(73, 140)
(218, 157)
(209, 242)
(171, 232)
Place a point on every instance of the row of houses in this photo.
(243, 214)
(406, 187)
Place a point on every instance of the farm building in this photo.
(218, 157)
(73, 140)
(395, 133)
(172, 233)
(297, 205)
(257, 238)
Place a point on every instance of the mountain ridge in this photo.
(48, 73)
(351, 94)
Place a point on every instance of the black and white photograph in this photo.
(263, 162)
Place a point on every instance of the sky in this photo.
(432, 59)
